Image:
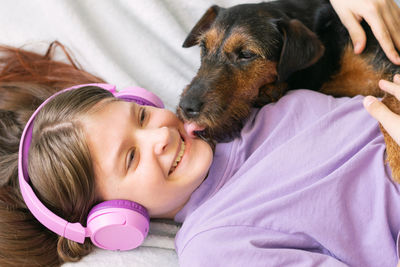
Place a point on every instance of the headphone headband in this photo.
(100, 235)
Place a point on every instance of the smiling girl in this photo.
(146, 156)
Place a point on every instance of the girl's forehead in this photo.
(108, 115)
(105, 104)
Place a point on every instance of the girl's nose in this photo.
(162, 139)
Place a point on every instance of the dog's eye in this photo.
(203, 47)
(245, 54)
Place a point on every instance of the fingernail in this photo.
(357, 47)
(368, 100)
(382, 83)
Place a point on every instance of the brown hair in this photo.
(64, 181)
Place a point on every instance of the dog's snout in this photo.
(191, 107)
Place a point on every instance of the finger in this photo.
(389, 120)
(355, 30)
(391, 88)
(391, 17)
(382, 34)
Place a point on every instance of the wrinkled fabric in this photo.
(306, 184)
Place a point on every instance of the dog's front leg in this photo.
(392, 148)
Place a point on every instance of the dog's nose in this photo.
(191, 107)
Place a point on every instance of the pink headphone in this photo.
(113, 224)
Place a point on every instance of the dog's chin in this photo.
(222, 130)
(222, 133)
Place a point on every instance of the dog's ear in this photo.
(202, 25)
(301, 48)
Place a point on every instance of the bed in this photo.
(127, 43)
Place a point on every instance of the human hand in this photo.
(383, 16)
(389, 120)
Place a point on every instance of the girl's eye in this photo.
(131, 157)
(142, 115)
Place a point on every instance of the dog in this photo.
(252, 54)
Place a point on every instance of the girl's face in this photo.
(143, 154)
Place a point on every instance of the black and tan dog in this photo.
(251, 54)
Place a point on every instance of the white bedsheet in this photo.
(127, 43)
(157, 250)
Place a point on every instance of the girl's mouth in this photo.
(178, 157)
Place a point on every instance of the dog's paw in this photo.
(393, 155)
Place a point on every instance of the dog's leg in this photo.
(392, 148)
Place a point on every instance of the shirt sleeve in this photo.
(251, 246)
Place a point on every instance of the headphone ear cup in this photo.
(140, 96)
(118, 224)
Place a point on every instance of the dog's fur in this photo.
(251, 54)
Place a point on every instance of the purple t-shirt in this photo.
(305, 185)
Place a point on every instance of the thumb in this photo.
(389, 120)
(376, 108)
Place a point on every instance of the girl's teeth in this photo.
(179, 157)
